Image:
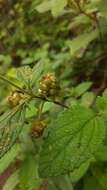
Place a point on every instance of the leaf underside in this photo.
(11, 124)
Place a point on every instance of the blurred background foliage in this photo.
(70, 38)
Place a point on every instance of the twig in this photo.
(82, 11)
(92, 17)
(10, 82)
(31, 94)
(40, 109)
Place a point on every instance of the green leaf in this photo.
(101, 103)
(9, 157)
(24, 75)
(12, 181)
(62, 182)
(81, 41)
(82, 88)
(44, 6)
(103, 7)
(31, 110)
(87, 99)
(47, 106)
(74, 137)
(78, 173)
(11, 124)
(37, 71)
(28, 173)
(57, 7)
(101, 155)
(79, 20)
(100, 174)
(90, 183)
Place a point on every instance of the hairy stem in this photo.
(40, 109)
(31, 94)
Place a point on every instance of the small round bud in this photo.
(37, 128)
(14, 99)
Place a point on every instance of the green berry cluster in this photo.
(48, 85)
(37, 128)
(16, 98)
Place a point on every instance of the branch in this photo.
(10, 82)
(48, 100)
(31, 94)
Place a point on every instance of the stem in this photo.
(82, 11)
(95, 19)
(10, 82)
(31, 94)
(40, 110)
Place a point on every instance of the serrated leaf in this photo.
(11, 124)
(9, 157)
(75, 136)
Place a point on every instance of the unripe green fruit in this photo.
(37, 128)
(48, 85)
(14, 99)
